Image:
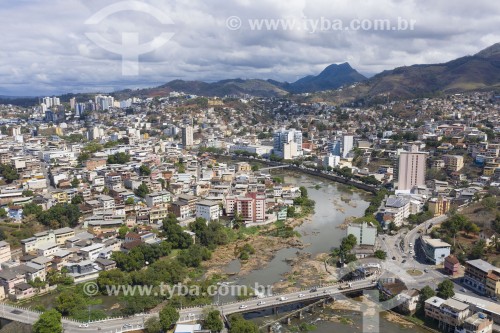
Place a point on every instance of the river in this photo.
(334, 202)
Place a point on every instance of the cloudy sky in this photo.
(57, 46)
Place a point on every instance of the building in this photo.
(397, 209)
(158, 198)
(331, 161)
(435, 250)
(187, 136)
(347, 144)
(451, 265)
(251, 208)
(493, 283)
(95, 163)
(287, 143)
(209, 210)
(439, 206)
(364, 233)
(449, 313)
(411, 169)
(335, 148)
(181, 210)
(453, 163)
(477, 323)
(5, 254)
(476, 276)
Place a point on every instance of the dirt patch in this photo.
(305, 273)
(394, 318)
(265, 249)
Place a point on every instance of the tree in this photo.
(3, 213)
(255, 167)
(144, 170)
(213, 321)
(122, 231)
(77, 199)
(130, 201)
(142, 190)
(425, 293)
(477, 251)
(119, 158)
(75, 182)
(471, 227)
(380, 254)
(303, 192)
(153, 325)
(69, 302)
(9, 173)
(49, 322)
(27, 193)
(445, 289)
(240, 325)
(168, 317)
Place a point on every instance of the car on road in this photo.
(313, 290)
(411, 251)
(301, 295)
(127, 326)
(463, 290)
(283, 299)
(404, 260)
(494, 299)
(243, 306)
(83, 325)
(261, 303)
(426, 270)
(393, 258)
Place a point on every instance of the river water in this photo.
(334, 202)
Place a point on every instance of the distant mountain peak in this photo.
(493, 50)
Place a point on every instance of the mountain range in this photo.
(477, 72)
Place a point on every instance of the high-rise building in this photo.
(283, 140)
(187, 136)
(72, 103)
(411, 169)
(347, 144)
(335, 147)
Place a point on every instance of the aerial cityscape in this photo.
(246, 167)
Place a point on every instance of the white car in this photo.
(83, 325)
(261, 303)
(243, 306)
(301, 295)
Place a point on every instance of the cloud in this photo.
(45, 48)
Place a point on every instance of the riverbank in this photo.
(265, 248)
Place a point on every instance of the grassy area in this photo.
(414, 272)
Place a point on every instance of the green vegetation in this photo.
(57, 216)
(168, 317)
(144, 170)
(119, 158)
(375, 202)
(142, 190)
(445, 289)
(153, 325)
(380, 254)
(213, 321)
(49, 322)
(9, 173)
(343, 253)
(240, 325)
(246, 251)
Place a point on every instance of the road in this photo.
(398, 247)
(190, 314)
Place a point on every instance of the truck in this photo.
(345, 286)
